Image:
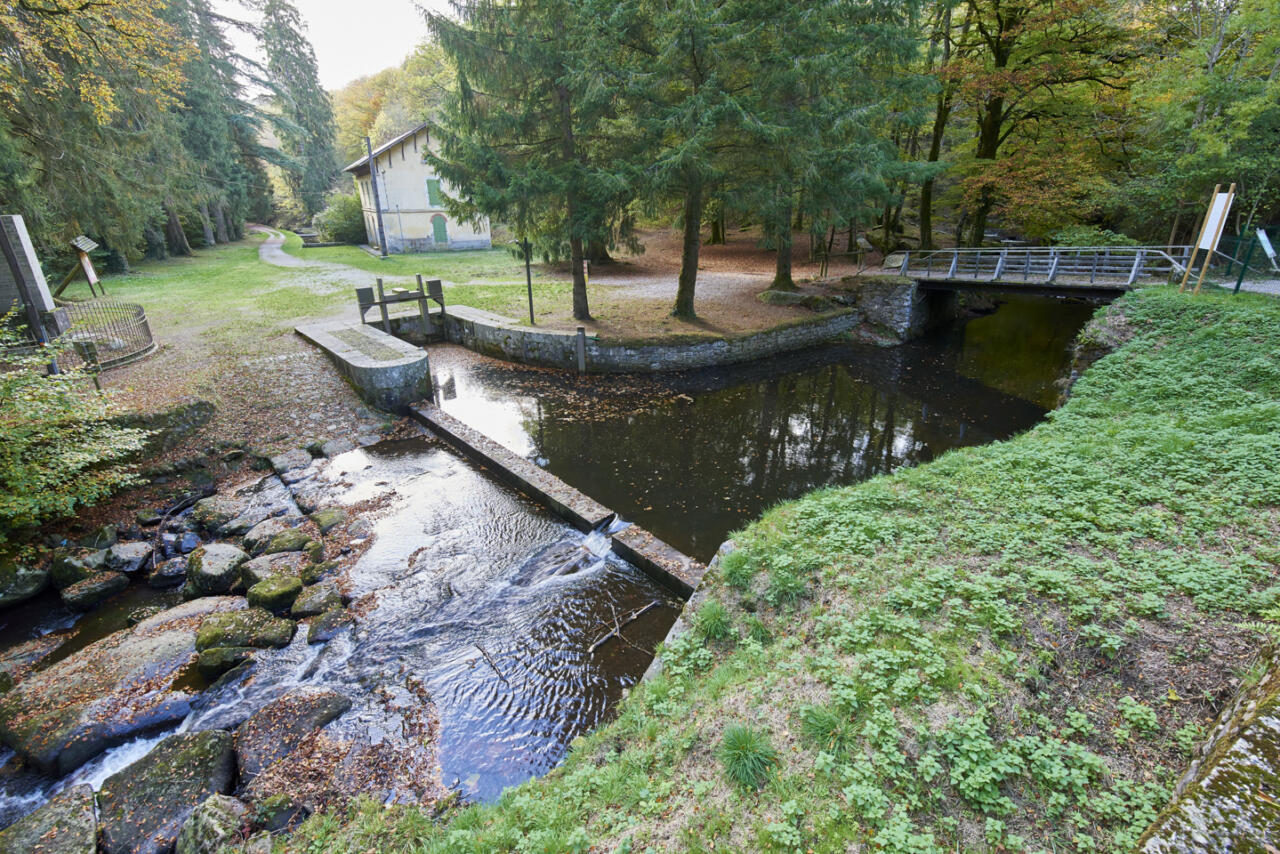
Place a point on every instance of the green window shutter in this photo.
(433, 192)
(439, 230)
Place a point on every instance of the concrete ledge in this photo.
(664, 564)
(386, 371)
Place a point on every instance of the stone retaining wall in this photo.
(503, 338)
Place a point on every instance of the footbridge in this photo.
(1086, 271)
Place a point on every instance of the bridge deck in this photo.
(1089, 270)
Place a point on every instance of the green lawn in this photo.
(1013, 648)
(494, 265)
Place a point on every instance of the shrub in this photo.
(59, 445)
(747, 756)
(1090, 235)
(342, 220)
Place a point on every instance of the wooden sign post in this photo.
(1210, 233)
(83, 247)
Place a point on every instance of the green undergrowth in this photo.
(1012, 648)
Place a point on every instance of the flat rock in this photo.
(267, 498)
(143, 807)
(18, 582)
(16, 662)
(94, 590)
(214, 568)
(215, 511)
(278, 728)
(262, 568)
(214, 823)
(195, 610)
(253, 627)
(316, 599)
(328, 519)
(299, 475)
(62, 716)
(64, 825)
(127, 557)
(333, 447)
(292, 540)
(260, 535)
(147, 518)
(327, 625)
(171, 573)
(288, 461)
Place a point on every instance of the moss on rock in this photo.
(253, 627)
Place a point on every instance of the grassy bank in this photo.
(1012, 648)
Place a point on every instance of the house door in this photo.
(439, 230)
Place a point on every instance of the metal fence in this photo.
(104, 333)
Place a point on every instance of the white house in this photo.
(412, 199)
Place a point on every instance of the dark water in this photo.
(695, 457)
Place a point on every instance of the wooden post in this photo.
(382, 307)
(377, 205)
(422, 310)
(1195, 245)
(582, 349)
(1217, 235)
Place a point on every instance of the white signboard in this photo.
(1214, 222)
(1266, 246)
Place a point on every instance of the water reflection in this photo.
(694, 456)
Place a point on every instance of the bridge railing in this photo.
(1068, 265)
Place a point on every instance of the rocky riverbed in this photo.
(382, 620)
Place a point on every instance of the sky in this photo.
(354, 39)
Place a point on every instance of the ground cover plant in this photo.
(1014, 647)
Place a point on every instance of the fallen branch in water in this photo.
(489, 659)
(616, 631)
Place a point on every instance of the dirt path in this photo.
(272, 252)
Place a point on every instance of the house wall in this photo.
(407, 211)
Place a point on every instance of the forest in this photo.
(570, 121)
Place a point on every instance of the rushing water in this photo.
(472, 599)
(695, 456)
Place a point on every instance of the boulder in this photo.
(147, 518)
(214, 568)
(317, 571)
(65, 571)
(218, 660)
(192, 614)
(17, 661)
(127, 557)
(214, 823)
(94, 590)
(102, 537)
(278, 812)
(262, 568)
(333, 447)
(259, 843)
(316, 599)
(171, 573)
(279, 727)
(18, 582)
(215, 511)
(276, 593)
(260, 535)
(253, 627)
(187, 543)
(267, 498)
(143, 807)
(328, 519)
(64, 825)
(324, 627)
(296, 459)
(298, 475)
(288, 541)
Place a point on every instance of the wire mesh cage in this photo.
(104, 333)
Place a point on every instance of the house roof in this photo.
(361, 166)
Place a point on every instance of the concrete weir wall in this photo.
(503, 338)
(664, 564)
(385, 371)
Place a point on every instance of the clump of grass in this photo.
(747, 756)
(712, 621)
(823, 726)
(737, 568)
(785, 587)
(758, 631)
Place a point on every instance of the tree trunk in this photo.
(717, 229)
(598, 253)
(940, 117)
(174, 236)
(988, 145)
(580, 310)
(220, 220)
(154, 237)
(782, 270)
(689, 253)
(206, 225)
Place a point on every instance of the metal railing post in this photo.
(1137, 265)
(955, 261)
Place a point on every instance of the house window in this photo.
(439, 230)
(433, 192)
